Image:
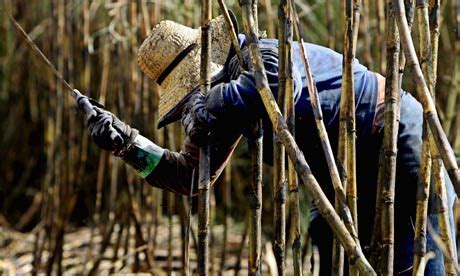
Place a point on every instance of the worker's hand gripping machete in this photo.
(84, 103)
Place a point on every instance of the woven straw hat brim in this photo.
(166, 41)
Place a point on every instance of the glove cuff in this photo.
(142, 154)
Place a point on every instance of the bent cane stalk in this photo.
(354, 252)
(233, 34)
(425, 99)
(341, 204)
(204, 163)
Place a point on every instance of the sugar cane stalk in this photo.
(346, 154)
(204, 163)
(279, 125)
(330, 24)
(425, 99)
(387, 172)
(279, 172)
(435, 22)
(255, 203)
(341, 204)
(410, 8)
(233, 34)
(380, 9)
(423, 190)
(285, 68)
(269, 24)
(255, 196)
(367, 42)
(376, 232)
(255, 12)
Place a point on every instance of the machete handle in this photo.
(85, 103)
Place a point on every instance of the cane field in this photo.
(70, 208)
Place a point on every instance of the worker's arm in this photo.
(228, 110)
(158, 166)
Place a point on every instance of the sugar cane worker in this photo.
(170, 56)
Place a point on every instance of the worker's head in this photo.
(170, 55)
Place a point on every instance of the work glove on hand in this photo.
(109, 132)
(197, 120)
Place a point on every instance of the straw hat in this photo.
(170, 55)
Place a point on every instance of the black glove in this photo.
(197, 120)
(109, 132)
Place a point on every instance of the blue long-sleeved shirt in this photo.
(242, 103)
